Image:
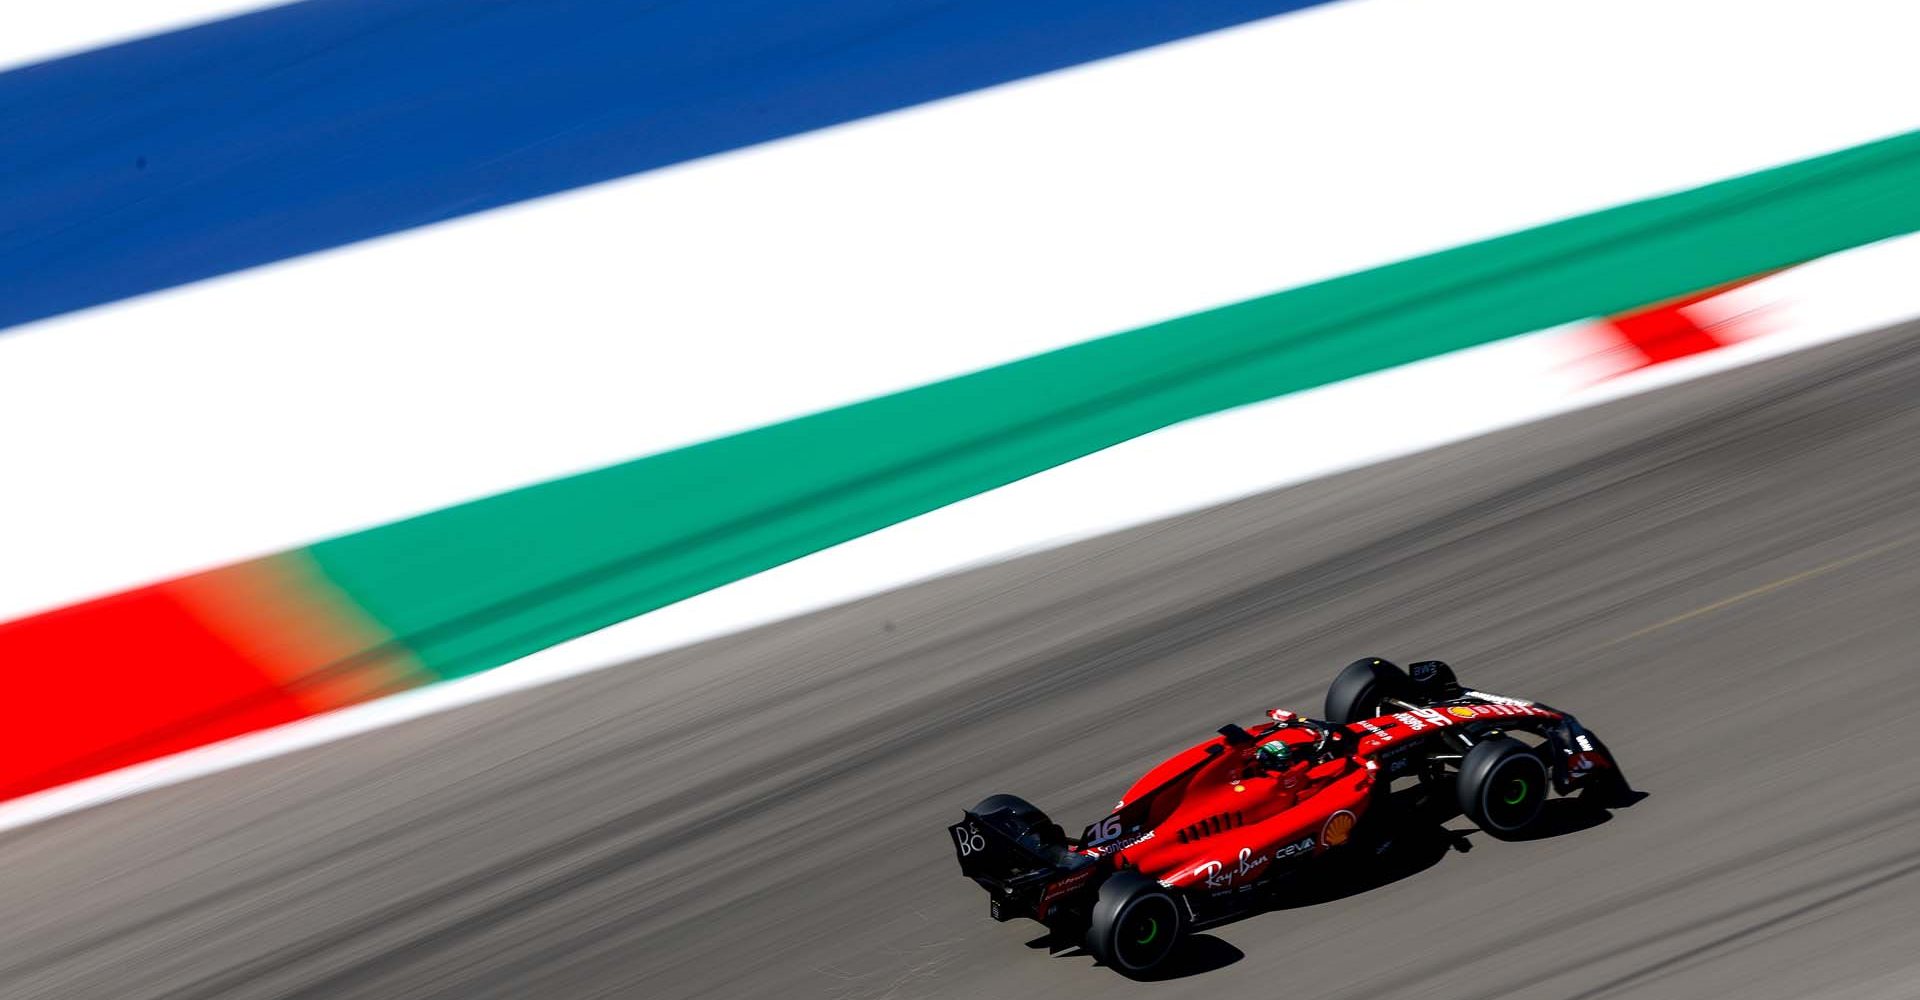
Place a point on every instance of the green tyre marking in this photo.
(1519, 796)
(1153, 931)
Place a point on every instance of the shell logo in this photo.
(1462, 712)
(1338, 829)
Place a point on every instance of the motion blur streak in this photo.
(468, 588)
(344, 121)
(761, 815)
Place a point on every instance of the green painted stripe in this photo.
(480, 584)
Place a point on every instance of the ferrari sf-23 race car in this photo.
(1202, 836)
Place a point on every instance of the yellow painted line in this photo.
(1767, 588)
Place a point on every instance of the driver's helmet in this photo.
(1274, 755)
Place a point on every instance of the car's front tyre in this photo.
(1502, 787)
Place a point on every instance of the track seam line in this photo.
(1765, 588)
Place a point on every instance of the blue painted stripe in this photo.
(295, 129)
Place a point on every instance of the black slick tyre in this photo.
(1357, 692)
(1135, 924)
(1502, 787)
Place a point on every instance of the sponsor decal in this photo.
(1584, 762)
(1497, 707)
(1399, 764)
(1143, 838)
(1211, 875)
(1421, 718)
(1298, 848)
(1100, 833)
(1066, 885)
(1422, 671)
(1498, 699)
(1249, 862)
(1583, 743)
(1373, 729)
(1215, 875)
(1339, 828)
(967, 839)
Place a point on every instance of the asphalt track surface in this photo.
(1722, 578)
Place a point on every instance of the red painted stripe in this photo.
(123, 679)
(116, 681)
(1663, 334)
(1666, 331)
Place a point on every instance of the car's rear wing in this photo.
(990, 851)
(1026, 868)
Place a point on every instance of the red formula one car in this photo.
(1200, 838)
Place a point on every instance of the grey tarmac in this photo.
(1721, 577)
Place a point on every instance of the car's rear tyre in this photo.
(1135, 925)
(1357, 692)
(1502, 787)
